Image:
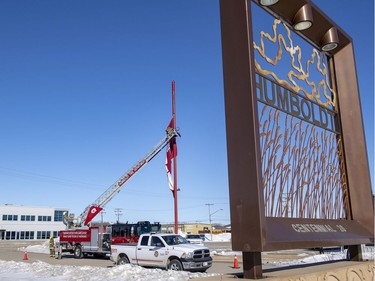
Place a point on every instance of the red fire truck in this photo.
(130, 232)
(81, 239)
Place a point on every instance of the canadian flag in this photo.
(93, 211)
(171, 155)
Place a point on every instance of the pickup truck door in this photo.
(151, 254)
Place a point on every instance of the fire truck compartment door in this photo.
(94, 239)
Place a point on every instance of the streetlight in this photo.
(102, 212)
(210, 215)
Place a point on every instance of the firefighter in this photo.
(51, 247)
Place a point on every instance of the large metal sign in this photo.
(298, 169)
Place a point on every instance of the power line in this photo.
(118, 213)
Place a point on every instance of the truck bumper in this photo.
(197, 265)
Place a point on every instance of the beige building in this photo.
(191, 228)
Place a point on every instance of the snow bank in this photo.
(10, 270)
(368, 254)
(41, 249)
(223, 237)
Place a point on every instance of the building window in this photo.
(27, 218)
(25, 235)
(44, 218)
(10, 217)
(17, 235)
(58, 215)
(43, 234)
(10, 235)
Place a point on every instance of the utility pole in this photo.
(101, 229)
(210, 216)
(102, 212)
(118, 213)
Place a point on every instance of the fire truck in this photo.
(82, 239)
(123, 233)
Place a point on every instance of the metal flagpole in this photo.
(174, 161)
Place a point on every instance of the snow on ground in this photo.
(368, 254)
(10, 270)
(41, 249)
(222, 237)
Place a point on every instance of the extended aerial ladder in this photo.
(93, 209)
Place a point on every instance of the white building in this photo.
(19, 222)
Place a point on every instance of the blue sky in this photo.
(85, 93)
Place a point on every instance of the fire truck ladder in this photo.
(115, 188)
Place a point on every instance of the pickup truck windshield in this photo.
(175, 240)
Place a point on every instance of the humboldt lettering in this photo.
(285, 100)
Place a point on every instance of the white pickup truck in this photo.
(163, 250)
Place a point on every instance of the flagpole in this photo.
(175, 188)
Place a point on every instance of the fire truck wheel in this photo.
(175, 265)
(78, 252)
(123, 260)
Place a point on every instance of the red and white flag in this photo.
(171, 124)
(168, 166)
(171, 154)
(93, 211)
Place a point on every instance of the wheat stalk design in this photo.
(302, 168)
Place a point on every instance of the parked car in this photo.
(194, 239)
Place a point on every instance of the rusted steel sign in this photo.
(297, 160)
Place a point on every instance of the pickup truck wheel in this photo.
(175, 265)
(78, 252)
(123, 260)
